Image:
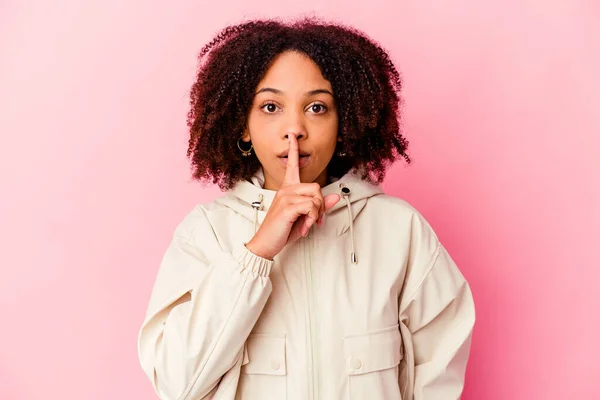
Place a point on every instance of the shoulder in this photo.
(396, 208)
(403, 216)
(195, 222)
(392, 203)
(204, 216)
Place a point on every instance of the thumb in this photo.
(331, 200)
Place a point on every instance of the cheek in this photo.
(263, 135)
(261, 146)
(330, 135)
(327, 144)
(333, 128)
(265, 146)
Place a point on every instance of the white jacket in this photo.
(224, 324)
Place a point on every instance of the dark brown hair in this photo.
(365, 83)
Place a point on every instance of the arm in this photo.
(203, 306)
(436, 322)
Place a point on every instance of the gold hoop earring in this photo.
(341, 153)
(245, 153)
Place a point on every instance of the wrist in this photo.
(257, 250)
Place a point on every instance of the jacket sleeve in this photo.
(437, 317)
(204, 303)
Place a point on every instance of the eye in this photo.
(317, 108)
(269, 108)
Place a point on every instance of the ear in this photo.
(246, 135)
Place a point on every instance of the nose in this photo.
(297, 134)
(294, 125)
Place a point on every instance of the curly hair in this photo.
(365, 82)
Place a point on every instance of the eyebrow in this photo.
(310, 93)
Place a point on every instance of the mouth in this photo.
(303, 160)
(300, 153)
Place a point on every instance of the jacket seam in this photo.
(210, 225)
(436, 256)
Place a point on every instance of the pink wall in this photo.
(502, 109)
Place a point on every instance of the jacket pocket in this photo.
(372, 360)
(263, 374)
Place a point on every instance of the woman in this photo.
(305, 280)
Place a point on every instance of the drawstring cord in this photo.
(345, 192)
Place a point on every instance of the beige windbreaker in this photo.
(368, 306)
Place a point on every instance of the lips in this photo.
(303, 160)
(285, 154)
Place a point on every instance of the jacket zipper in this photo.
(313, 371)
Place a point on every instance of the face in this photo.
(293, 98)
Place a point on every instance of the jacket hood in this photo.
(250, 200)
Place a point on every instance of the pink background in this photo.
(502, 111)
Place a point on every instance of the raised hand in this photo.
(295, 208)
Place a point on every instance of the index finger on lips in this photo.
(292, 171)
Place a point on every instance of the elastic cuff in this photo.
(258, 265)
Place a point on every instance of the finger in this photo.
(328, 203)
(292, 171)
(309, 210)
(331, 200)
(311, 189)
(295, 199)
(310, 219)
(321, 200)
(317, 201)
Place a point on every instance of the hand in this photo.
(295, 208)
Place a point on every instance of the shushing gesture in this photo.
(295, 208)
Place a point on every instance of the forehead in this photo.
(294, 72)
